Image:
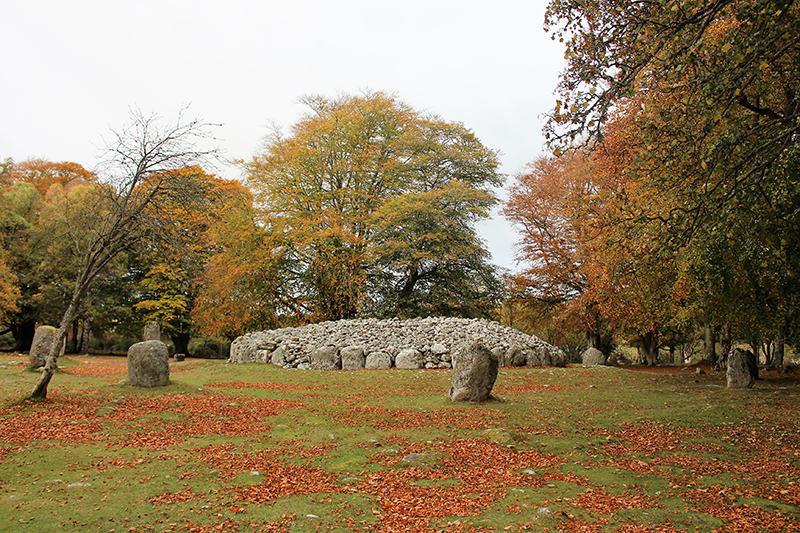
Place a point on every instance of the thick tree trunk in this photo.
(23, 333)
(593, 340)
(181, 342)
(709, 342)
(780, 347)
(650, 347)
(725, 346)
(87, 335)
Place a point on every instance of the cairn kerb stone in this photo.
(326, 358)
(43, 339)
(435, 338)
(353, 358)
(152, 331)
(474, 373)
(593, 356)
(408, 359)
(742, 369)
(378, 361)
(148, 364)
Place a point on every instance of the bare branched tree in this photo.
(148, 165)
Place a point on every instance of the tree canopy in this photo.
(357, 205)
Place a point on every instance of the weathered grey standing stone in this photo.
(593, 356)
(742, 369)
(474, 373)
(408, 359)
(353, 358)
(378, 361)
(148, 364)
(326, 358)
(152, 332)
(40, 348)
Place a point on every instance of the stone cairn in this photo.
(372, 343)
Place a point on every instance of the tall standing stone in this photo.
(474, 373)
(742, 369)
(40, 348)
(148, 364)
(152, 331)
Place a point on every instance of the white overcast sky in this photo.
(72, 69)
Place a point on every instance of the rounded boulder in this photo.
(148, 364)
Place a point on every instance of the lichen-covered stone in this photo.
(408, 359)
(40, 348)
(148, 364)
(353, 358)
(593, 356)
(742, 369)
(326, 358)
(474, 373)
(152, 331)
(378, 361)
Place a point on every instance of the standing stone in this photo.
(152, 331)
(326, 358)
(378, 361)
(742, 369)
(593, 356)
(148, 364)
(474, 374)
(353, 358)
(40, 348)
(408, 359)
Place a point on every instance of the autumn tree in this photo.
(24, 187)
(145, 170)
(710, 90)
(325, 191)
(171, 264)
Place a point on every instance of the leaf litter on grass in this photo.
(258, 448)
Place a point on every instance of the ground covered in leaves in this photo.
(257, 448)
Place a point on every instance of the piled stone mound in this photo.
(372, 343)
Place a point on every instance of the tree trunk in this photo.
(725, 346)
(650, 347)
(23, 333)
(87, 335)
(40, 390)
(181, 342)
(755, 347)
(593, 340)
(780, 343)
(709, 343)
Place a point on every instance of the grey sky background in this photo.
(72, 69)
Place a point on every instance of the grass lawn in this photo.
(257, 448)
